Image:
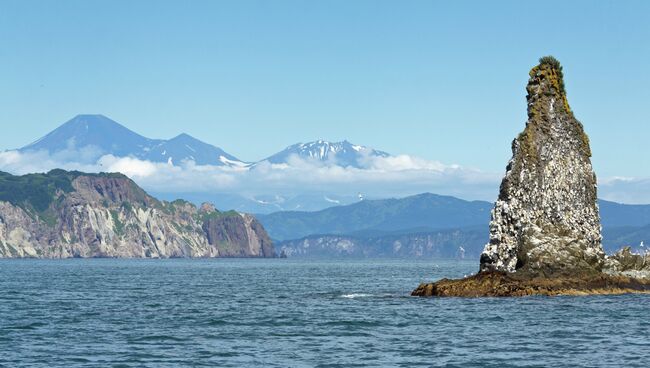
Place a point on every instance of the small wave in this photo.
(216, 322)
(29, 326)
(156, 338)
(356, 295)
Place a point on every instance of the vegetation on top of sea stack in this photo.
(551, 60)
(555, 65)
(545, 87)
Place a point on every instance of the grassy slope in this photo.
(38, 191)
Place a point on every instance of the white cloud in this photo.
(23, 163)
(128, 166)
(380, 176)
(404, 162)
(625, 189)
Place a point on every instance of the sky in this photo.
(439, 80)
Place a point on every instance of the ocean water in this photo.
(289, 313)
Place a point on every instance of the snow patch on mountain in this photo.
(344, 154)
(329, 200)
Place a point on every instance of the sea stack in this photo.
(546, 217)
(545, 234)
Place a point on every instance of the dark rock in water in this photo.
(498, 284)
(545, 233)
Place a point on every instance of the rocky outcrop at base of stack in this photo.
(545, 230)
(502, 284)
(71, 214)
(627, 263)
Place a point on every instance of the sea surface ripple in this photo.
(290, 313)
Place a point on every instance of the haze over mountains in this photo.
(266, 203)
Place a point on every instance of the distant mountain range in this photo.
(100, 135)
(86, 138)
(424, 224)
(265, 204)
(424, 212)
(97, 135)
(446, 244)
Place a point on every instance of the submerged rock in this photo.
(545, 232)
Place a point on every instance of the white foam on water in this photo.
(356, 295)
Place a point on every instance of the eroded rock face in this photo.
(626, 263)
(110, 216)
(546, 218)
(237, 235)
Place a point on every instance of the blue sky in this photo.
(442, 80)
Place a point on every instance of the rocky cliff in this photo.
(546, 217)
(70, 214)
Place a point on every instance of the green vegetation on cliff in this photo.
(72, 214)
(35, 190)
(38, 191)
(557, 67)
(205, 216)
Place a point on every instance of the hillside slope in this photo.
(422, 212)
(71, 214)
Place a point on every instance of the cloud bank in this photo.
(391, 176)
(380, 176)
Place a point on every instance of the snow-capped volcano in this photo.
(342, 153)
(86, 138)
(97, 135)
